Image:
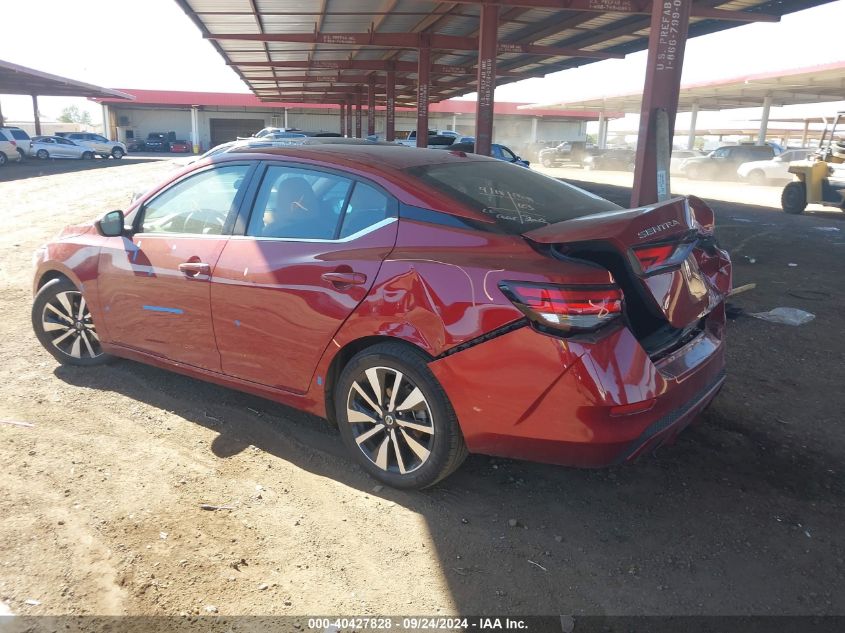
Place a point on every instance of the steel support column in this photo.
(806, 133)
(371, 105)
(488, 45)
(106, 121)
(349, 119)
(764, 121)
(666, 43)
(358, 112)
(195, 135)
(35, 113)
(602, 136)
(390, 113)
(423, 79)
(693, 121)
(342, 118)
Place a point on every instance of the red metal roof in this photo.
(248, 100)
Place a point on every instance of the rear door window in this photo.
(295, 203)
(518, 200)
(367, 206)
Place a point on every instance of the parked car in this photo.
(567, 152)
(157, 142)
(44, 147)
(761, 172)
(722, 163)
(181, 147)
(612, 160)
(8, 148)
(411, 140)
(678, 156)
(21, 139)
(430, 303)
(102, 146)
(497, 151)
(135, 145)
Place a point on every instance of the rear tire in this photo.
(693, 172)
(22, 155)
(87, 155)
(407, 439)
(3, 159)
(42, 154)
(117, 153)
(793, 199)
(64, 326)
(547, 162)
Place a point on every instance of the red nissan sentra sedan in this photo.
(431, 303)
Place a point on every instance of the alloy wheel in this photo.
(391, 420)
(67, 322)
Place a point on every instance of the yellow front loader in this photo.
(821, 178)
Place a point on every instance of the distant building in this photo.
(221, 117)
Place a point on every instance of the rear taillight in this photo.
(565, 308)
(14, 143)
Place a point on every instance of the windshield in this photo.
(518, 199)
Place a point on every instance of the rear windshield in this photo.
(19, 135)
(518, 199)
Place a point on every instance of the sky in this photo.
(117, 44)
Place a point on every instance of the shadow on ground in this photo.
(34, 168)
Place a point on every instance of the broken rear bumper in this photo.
(527, 395)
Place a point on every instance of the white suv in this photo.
(19, 138)
(100, 144)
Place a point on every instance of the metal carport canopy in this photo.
(19, 80)
(450, 48)
(814, 84)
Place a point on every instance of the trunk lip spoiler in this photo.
(549, 233)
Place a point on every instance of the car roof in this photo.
(383, 158)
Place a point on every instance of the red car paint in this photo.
(263, 319)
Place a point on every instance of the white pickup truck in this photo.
(411, 141)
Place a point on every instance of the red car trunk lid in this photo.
(684, 281)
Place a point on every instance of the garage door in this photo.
(225, 130)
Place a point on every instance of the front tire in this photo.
(64, 326)
(396, 419)
(758, 177)
(794, 198)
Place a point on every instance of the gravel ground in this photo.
(100, 505)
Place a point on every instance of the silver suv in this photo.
(19, 138)
(98, 143)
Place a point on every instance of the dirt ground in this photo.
(100, 505)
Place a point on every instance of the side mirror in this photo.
(111, 224)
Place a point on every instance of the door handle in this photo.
(192, 269)
(343, 279)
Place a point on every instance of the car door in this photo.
(67, 149)
(154, 285)
(308, 255)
